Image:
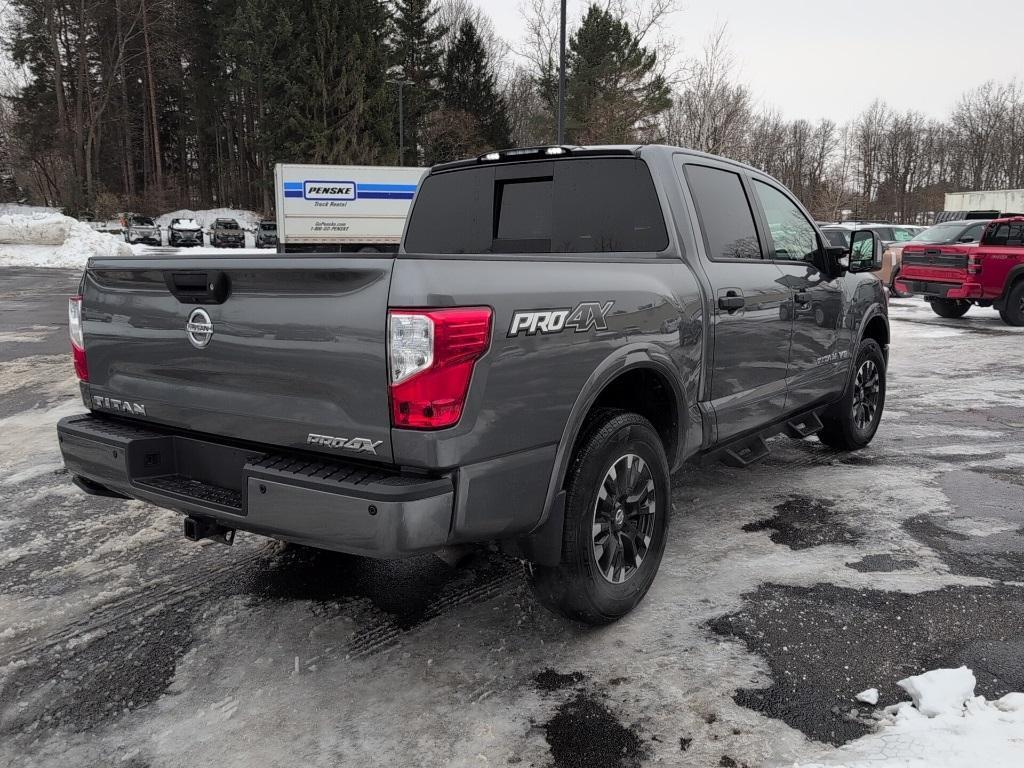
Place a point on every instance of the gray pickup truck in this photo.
(562, 328)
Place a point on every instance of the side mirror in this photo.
(865, 252)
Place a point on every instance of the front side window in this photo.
(837, 237)
(725, 214)
(972, 234)
(793, 235)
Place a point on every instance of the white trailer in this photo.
(1003, 200)
(342, 207)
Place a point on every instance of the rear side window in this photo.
(1004, 234)
(586, 205)
(725, 215)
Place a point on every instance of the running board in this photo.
(803, 427)
(750, 449)
(744, 454)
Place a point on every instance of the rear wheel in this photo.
(616, 521)
(851, 423)
(1013, 308)
(950, 308)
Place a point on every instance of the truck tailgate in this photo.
(297, 347)
(939, 263)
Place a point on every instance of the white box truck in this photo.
(332, 208)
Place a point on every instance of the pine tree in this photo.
(416, 52)
(468, 85)
(333, 104)
(613, 92)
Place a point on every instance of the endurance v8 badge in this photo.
(586, 316)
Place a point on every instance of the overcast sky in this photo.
(832, 58)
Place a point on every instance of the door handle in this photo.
(802, 297)
(730, 303)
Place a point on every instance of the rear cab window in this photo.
(572, 205)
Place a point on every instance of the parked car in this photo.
(184, 232)
(952, 278)
(839, 234)
(947, 233)
(266, 234)
(141, 229)
(509, 375)
(225, 233)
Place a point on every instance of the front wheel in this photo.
(893, 290)
(851, 423)
(950, 308)
(1013, 308)
(616, 521)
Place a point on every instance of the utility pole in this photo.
(561, 78)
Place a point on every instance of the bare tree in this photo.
(712, 113)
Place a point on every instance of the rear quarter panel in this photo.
(525, 387)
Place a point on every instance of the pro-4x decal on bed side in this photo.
(585, 316)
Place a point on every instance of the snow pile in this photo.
(34, 229)
(190, 224)
(246, 219)
(26, 209)
(53, 240)
(946, 726)
(940, 691)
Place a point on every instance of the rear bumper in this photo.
(941, 290)
(333, 505)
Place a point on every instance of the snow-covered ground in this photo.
(786, 591)
(945, 726)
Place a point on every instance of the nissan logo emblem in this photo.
(199, 328)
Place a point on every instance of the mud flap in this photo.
(544, 545)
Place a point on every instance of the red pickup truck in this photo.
(953, 277)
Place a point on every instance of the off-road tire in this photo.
(950, 308)
(842, 429)
(577, 588)
(1012, 311)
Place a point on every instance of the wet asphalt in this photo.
(912, 556)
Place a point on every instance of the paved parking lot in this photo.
(785, 590)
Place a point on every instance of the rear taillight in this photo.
(974, 264)
(431, 354)
(77, 339)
